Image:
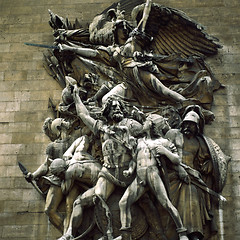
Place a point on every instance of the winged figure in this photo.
(150, 57)
(161, 60)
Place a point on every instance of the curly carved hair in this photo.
(108, 104)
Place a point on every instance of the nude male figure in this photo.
(148, 175)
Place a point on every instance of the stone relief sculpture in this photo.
(50, 185)
(192, 198)
(148, 150)
(76, 168)
(129, 156)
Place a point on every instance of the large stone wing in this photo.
(174, 32)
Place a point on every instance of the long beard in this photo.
(117, 117)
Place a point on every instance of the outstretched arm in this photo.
(84, 52)
(174, 158)
(41, 171)
(82, 111)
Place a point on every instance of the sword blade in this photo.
(210, 191)
(22, 168)
(41, 45)
(25, 172)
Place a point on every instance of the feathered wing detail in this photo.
(220, 163)
(58, 22)
(174, 32)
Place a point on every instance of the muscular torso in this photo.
(188, 148)
(146, 151)
(81, 154)
(147, 156)
(85, 171)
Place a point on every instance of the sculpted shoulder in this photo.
(172, 133)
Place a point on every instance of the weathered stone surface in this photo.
(25, 88)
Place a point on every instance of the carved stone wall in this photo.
(25, 88)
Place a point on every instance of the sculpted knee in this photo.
(165, 204)
(46, 210)
(69, 207)
(123, 203)
(49, 211)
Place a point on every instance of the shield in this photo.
(220, 163)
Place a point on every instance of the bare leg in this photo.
(160, 88)
(104, 188)
(84, 200)
(157, 186)
(153, 216)
(71, 197)
(156, 85)
(54, 198)
(131, 195)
